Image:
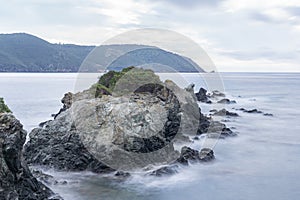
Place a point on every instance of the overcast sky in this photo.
(238, 35)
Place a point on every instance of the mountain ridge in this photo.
(22, 52)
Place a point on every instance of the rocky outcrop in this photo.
(132, 126)
(16, 180)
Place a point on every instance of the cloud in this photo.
(192, 3)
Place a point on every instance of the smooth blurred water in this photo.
(263, 162)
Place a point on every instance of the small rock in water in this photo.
(202, 96)
(253, 111)
(228, 132)
(206, 155)
(268, 114)
(188, 155)
(225, 112)
(165, 171)
(122, 174)
(226, 101)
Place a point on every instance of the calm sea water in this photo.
(261, 163)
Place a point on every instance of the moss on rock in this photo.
(3, 107)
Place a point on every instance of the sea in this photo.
(261, 162)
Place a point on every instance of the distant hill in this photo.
(156, 59)
(22, 52)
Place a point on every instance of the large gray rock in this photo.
(124, 132)
(16, 181)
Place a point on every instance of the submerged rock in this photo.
(226, 101)
(225, 112)
(16, 180)
(165, 171)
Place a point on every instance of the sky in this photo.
(238, 35)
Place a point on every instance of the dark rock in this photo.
(227, 132)
(201, 95)
(196, 138)
(188, 155)
(203, 124)
(122, 174)
(206, 155)
(268, 114)
(16, 180)
(165, 171)
(226, 101)
(61, 149)
(253, 111)
(67, 101)
(225, 112)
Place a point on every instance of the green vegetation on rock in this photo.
(124, 81)
(3, 107)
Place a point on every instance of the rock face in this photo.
(16, 181)
(57, 145)
(133, 128)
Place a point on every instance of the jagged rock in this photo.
(188, 155)
(202, 96)
(67, 101)
(226, 101)
(16, 180)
